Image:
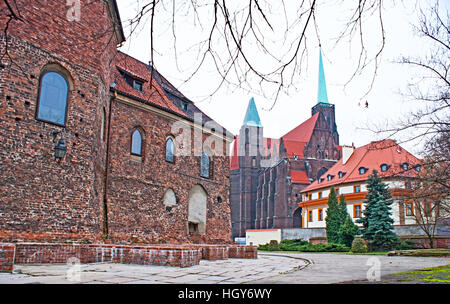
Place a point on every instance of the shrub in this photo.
(273, 246)
(359, 246)
(405, 245)
(292, 245)
(324, 247)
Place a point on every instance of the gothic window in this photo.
(136, 143)
(205, 163)
(103, 125)
(170, 150)
(52, 104)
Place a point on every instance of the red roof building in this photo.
(349, 176)
(267, 174)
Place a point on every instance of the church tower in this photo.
(323, 105)
(244, 180)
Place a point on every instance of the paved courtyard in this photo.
(278, 268)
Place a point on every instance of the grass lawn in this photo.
(439, 275)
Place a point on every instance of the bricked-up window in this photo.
(52, 105)
(136, 143)
(170, 150)
(205, 164)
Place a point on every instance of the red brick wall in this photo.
(243, 252)
(6, 257)
(46, 200)
(181, 256)
(136, 188)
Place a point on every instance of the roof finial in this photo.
(322, 96)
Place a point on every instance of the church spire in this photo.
(252, 117)
(322, 96)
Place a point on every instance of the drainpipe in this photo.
(105, 186)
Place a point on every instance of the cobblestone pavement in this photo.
(279, 268)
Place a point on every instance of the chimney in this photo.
(347, 151)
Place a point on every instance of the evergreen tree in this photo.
(342, 209)
(347, 229)
(377, 222)
(333, 218)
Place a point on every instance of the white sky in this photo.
(228, 106)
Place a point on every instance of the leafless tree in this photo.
(232, 32)
(431, 123)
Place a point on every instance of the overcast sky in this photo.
(228, 105)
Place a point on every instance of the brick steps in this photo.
(171, 255)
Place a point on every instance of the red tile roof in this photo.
(152, 94)
(370, 156)
(299, 177)
(303, 132)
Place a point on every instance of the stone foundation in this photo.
(162, 255)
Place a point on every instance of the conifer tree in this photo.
(333, 218)
(377, 222)
(347, 229)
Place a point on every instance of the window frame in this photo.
(354, 189)
(170, 138)
(201, 165)
(310, 216)
(38, 103)
(411, 209)
(354, 210)
(142, 142)
(320, 214)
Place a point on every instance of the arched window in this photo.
(52, 104)
(136, 143)
(204, 170)
(103, 125)
(170, 150)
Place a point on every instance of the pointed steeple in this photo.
(322, 96)
(252, 117)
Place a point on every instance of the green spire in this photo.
(252, 117)
(322, 97)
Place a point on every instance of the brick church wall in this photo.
(136, 186)
(45, 200)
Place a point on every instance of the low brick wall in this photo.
(423, 242)
(212, 252)
(242, 252)
(171, 255)
(181, 256)
(6, 257)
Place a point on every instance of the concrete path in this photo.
(278, 268)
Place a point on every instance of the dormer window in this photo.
(363, 170)
(135, 82)
(405, 166)
(138, 85)
(341, 174)
(418, 168)
(384, 167)
(330, 177)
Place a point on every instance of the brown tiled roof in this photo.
(371, 157)
(151, 93)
